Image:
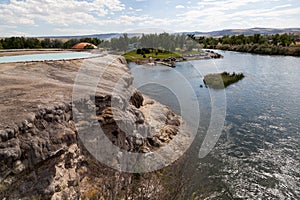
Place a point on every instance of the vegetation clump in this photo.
(37, 43)
(222, 80)
(150, 53)
(284, 44)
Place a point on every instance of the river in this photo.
(258, 153)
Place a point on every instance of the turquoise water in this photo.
(46, 56)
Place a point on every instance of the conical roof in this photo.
(82, 45)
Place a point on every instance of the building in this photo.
(84, 45)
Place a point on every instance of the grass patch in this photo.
(222, 80)
(133, 56)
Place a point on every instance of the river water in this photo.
(258, 153)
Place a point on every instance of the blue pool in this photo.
(46, 56)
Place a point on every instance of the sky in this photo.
(83, 17)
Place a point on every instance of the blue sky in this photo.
(77, 17)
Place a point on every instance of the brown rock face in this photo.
(137, 99)
(41, 154)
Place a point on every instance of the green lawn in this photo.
(133, 56)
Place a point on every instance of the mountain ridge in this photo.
(250, 31)
(218, 33)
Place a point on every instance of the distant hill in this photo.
(220, 33)
(251, 31)
(106, 36)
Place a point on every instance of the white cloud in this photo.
(86, 16)
(283, 6)
(213, 14)
(131, 20)
(180, 7)
(226, 4)
(74, 31)
(14, 33)
(57, 12)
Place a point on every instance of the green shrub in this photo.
(222, 80)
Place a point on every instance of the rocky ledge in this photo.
(42, 154)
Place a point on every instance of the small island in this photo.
(222, 80)
(152, 56)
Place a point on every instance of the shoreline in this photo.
(171, 61)
(261, 50)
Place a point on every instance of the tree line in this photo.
(284, 44)
(35, 43)
(278, 44)
(164, 41)
(284, 40)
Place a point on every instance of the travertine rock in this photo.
(41, 154)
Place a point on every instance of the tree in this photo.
(13, 43)
(105, 44)
(57, 44)
(70, 43)
(241, 39)
(124, 42)
(211, 41)
(190, 44)
(226, 40)
(256, 38)
(192, 36)
(32, 43)
(285, 40)
(46, 43)
(88, 47)
(180, 40)
(94, 41)
(275, 39)
(172, 47)
(249, 39)
(114, 43)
